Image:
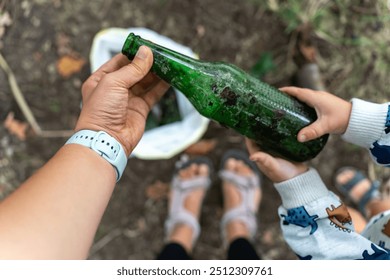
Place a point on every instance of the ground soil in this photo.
(133, 225)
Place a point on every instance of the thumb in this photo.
(310, 132)
(132, 73)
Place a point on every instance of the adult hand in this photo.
(333, 112)
(118, 97)
(276, 169)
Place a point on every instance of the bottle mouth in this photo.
(129, 45)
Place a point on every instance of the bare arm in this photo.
(55, 213)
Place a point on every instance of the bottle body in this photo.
(235, 99)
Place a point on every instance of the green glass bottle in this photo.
(235, 99)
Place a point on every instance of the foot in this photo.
(183, 233)
(358, 188)
(233, 199)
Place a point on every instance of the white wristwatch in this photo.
(105, 145)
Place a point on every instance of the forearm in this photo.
(56, 217)
(316, 224)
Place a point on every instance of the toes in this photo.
(187, 172)
(243, 168)
(345, 176)
(359, 189)
(230, 164)
(194, 170)
(238, 166)
(203, 170)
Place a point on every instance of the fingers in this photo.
(121, 71)
(311, 98)
(146, 84)
(277, 169)
(303, 94)
(155, 94)
(132, 73)
(251, 146)
(115, 63)
(263, 160)
(255, 153)
(112, 65)
(268, 165)
(312, 131)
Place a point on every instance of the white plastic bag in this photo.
(164, 141)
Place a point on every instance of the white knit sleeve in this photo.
(369, 127)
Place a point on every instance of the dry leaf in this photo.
(16, 127)
(69, 65)
(202, 147)
(157, 191)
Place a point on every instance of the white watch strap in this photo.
(105, 145)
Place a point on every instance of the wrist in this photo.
(290, 172)
(94, 127)
(89, 163)
(344, 118)
(104, 145)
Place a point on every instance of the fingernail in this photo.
(142, 53)
(302, 138)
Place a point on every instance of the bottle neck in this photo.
(161, 54)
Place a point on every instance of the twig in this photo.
(19, 97)
(105, 240)
(56, 133)
(364, 11)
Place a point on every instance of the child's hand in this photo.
(276, 169)
(333, 112)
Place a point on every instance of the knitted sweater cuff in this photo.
(366, 122)
(302, 189)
